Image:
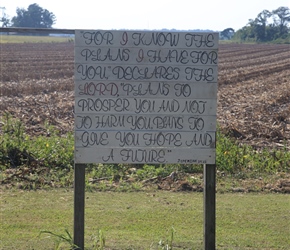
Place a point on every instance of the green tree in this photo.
(260, 30)
(245, 34)
(33, 17)
(5, 21)
(272, 32)
(282, 19)
(258, 25)
(227, 33)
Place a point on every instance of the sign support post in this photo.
(209, 207)
(79, 206)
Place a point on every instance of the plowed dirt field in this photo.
(253, 96)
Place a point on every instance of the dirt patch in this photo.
(253, 94)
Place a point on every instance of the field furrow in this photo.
(253, 96)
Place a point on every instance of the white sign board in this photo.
(145, 97)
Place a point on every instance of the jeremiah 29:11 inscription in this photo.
(145, 97)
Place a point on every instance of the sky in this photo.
(215, 15)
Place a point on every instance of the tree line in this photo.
(267, 26)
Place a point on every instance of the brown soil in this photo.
(37, 85)
(253, 96)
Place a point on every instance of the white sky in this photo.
(215, 15)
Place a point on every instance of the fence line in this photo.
(37, 30)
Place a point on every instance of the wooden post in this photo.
(79, 206)
(209, 197)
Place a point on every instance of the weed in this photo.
(234, 158)
(61, 239)
(48, 161)
(168, 244)
(66, 240)
(99, 241)
(18, 149)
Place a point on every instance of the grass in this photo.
(140, 220)
(47, 161)
(148, 219)
(18, 148)
(33, 39)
